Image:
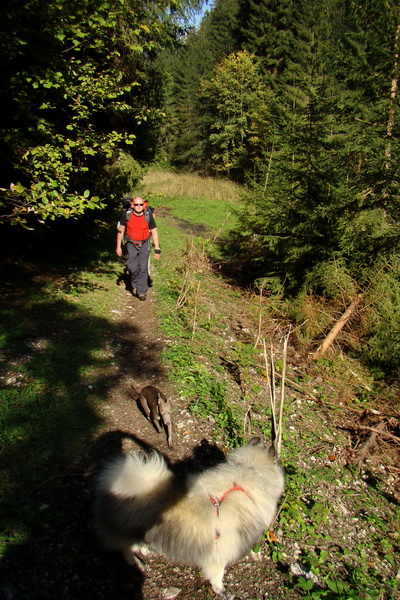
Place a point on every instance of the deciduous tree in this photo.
(76, 86)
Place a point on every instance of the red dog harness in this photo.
(218, 501)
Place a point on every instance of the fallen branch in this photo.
(374, 429)
(337, 327)
(363, 451)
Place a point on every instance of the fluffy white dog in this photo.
(207, 519)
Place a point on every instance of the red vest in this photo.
(137, 228)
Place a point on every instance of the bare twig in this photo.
(363, 451)
(247, 421)
(272, 384)
(276, 426)
(259, 317)
(196, 298)
(219, 230)
(278, 513)
(186, 285)
(46, 481)
(271, 389)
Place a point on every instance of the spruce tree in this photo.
(191, 64)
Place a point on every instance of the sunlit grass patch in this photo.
(189, 185)
(194, 199)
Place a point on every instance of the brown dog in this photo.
(157, 409)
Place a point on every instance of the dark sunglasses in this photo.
(138, 205)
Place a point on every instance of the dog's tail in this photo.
(133, 475)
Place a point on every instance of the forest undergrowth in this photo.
(336, 535)
(337, 532)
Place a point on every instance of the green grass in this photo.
(56, 364)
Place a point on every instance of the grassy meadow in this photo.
(199, 200)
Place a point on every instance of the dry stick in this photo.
(31, 492)
(196, 298)
(384, 433)
(363, 451)
(284, 359)
(273, 390)
(337, 327)
(184, 291)
(183, 295)
(364, 385)
(259, 318)
(219, 231)
(247, 421)
(272, 393)
(298, 388)
(282, 506)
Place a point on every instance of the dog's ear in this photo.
(161, 399)
(273, 453)
(255, 441)
(135, 395)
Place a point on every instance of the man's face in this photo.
(138, 205)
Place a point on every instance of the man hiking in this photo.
(136, 227)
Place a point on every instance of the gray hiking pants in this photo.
(138, 265)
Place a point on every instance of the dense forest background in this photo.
(296, 101)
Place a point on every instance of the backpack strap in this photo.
(146, 213)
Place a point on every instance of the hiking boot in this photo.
(134, 292)
(142, 297)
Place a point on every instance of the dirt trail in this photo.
(140, 365)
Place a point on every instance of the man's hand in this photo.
(119, 251)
